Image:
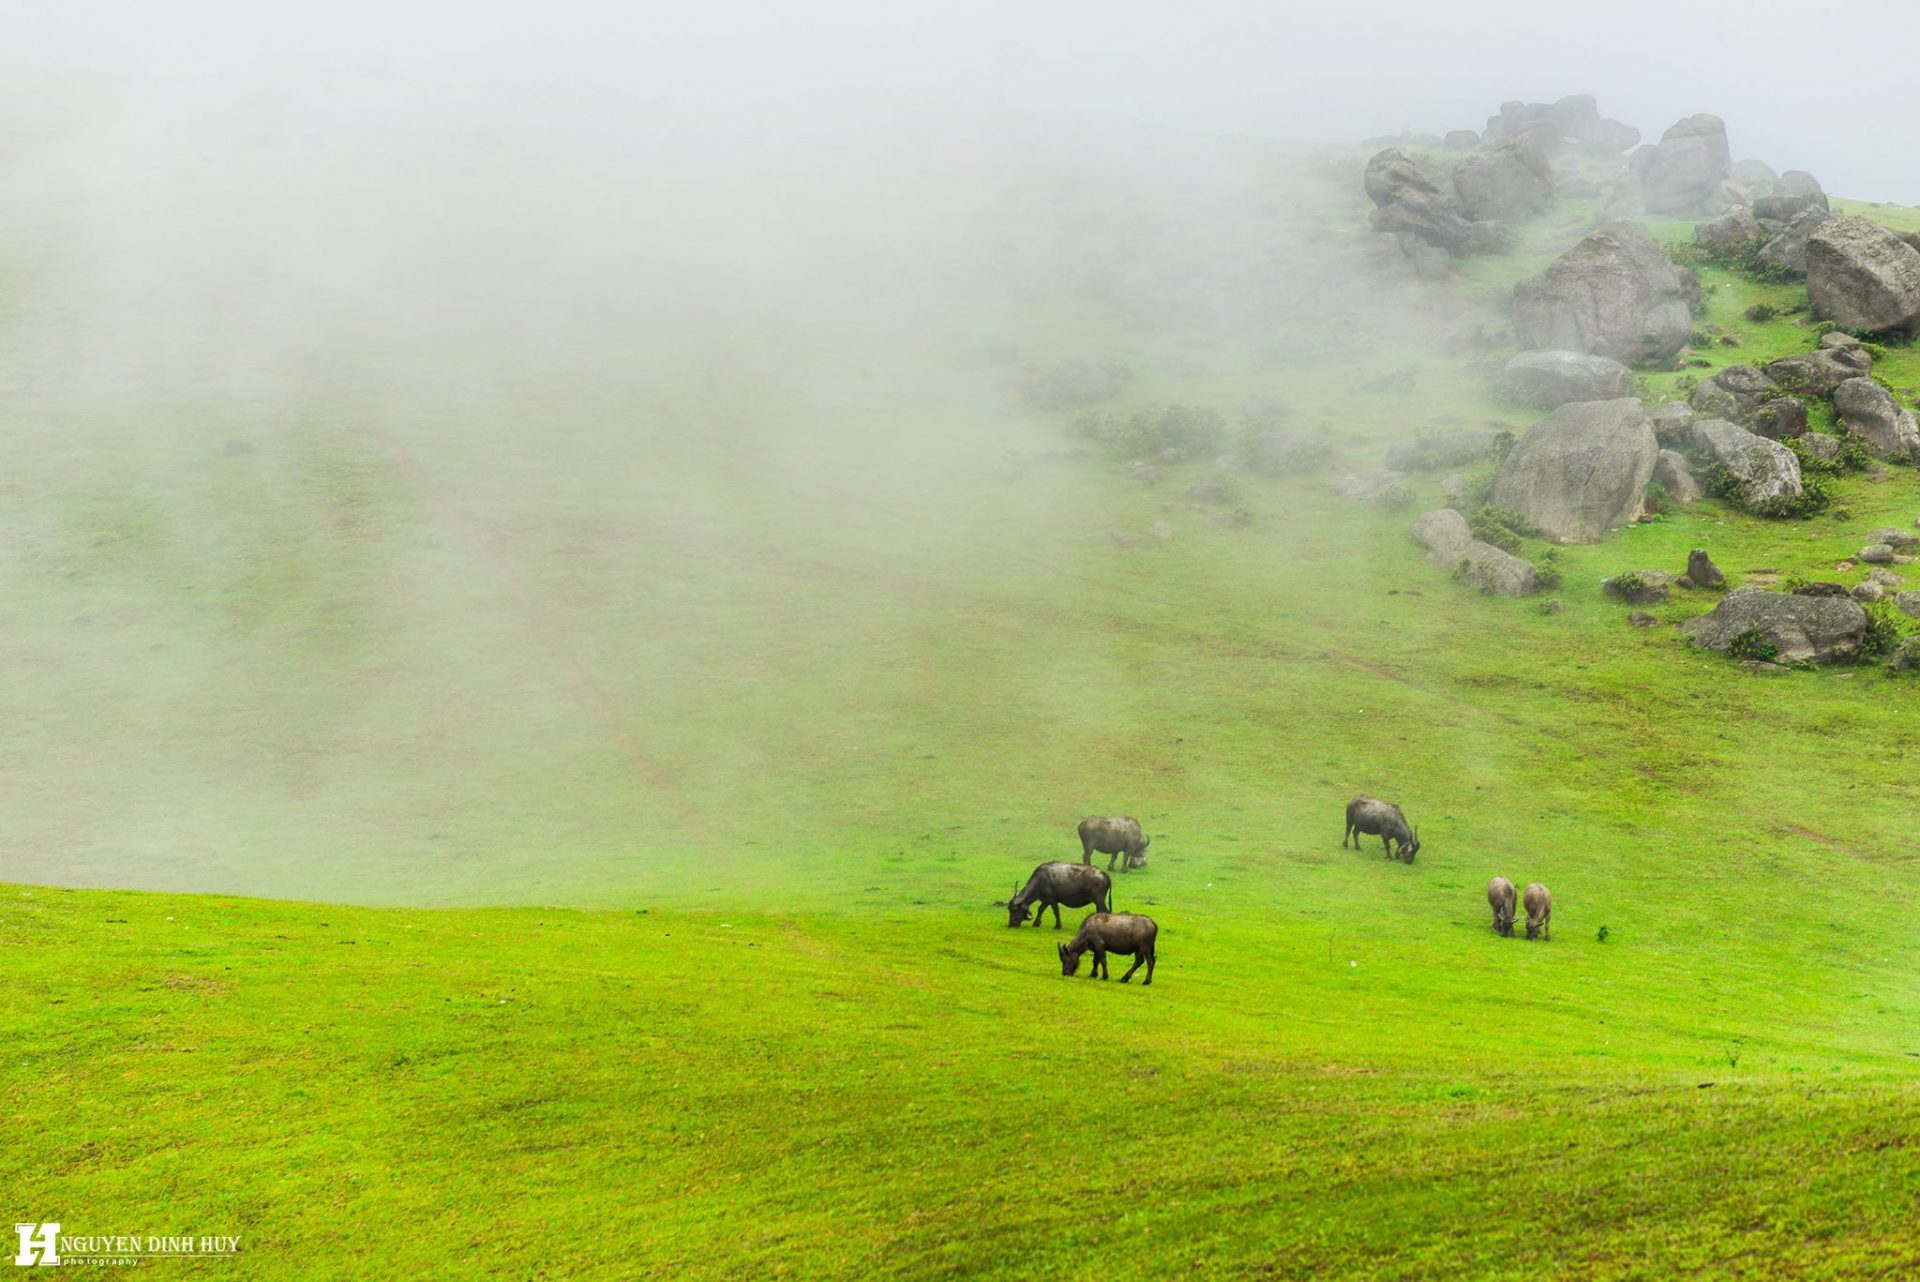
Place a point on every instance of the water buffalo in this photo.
(1539, 902)
(1101, 933)
(1114, 836)
(1500, 895)
(1380, 819)
(1057, 884)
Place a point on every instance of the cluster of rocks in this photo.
(1428, 219)
(1770, 400)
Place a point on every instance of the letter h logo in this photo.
(39, 1243)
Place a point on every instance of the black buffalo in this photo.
(1058, 885)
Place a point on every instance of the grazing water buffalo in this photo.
(1057, 884)
(1500, 895)
(1380, 819)
(1112, 836)
(1101, 933)
(1539, 902)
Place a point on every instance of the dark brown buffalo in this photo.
(1375, 818)
(1500, 896)
(1058, 885)
(1539, 902)
(1114, 835)
(1128, 934)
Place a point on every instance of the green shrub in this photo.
(1501, 528)
(1187, 431)
(1752, 644)
(1815, 495)
(1547, 576)
(1761, 313)
(1883, 631)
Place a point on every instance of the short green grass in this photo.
(769, 718)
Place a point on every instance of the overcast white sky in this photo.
(1321, 72)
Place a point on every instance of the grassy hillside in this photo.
(774, 660)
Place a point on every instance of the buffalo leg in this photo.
(1149, 978)
(1056, 916)
(1137, 959)
(1344, 834)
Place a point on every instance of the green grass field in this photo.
(672, 737)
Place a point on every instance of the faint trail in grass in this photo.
(540, 622)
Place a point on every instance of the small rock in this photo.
(1702, 572)
(1907, 603)
(1641, 619)
(1894, 538)
(1884, 577)
(1877, 554)
(1868, 592)
(1905, 656)
(1552, 605)
(1160, 530)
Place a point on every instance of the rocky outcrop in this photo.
(1409, 203)
(1754, 173)
(1451, 545)
(1766, 471)
(1552, 378)
(1871, 416)
(1613, 294)
(1863, 277)
(1580, 471)
(1730, 232)
(1787, 250)
(1794, 192)
(1505, 185)
(1800, 628)
(1838, 358)
(1686, 172)
(1572, 123)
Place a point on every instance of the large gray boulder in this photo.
(1553, 378)
(1685, 173)
(1580, 471)
(1754, 173)
(1871, 416)
(1409, 203)
(1730, 231)
(1766, 471)
(1863, 277)
(1504, 185)
(1794, 192)
(1787, 251)
(1820, 371)
(1451, 545)
(1613, 294)
(1800, 628)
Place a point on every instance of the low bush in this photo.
(1752, 644)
